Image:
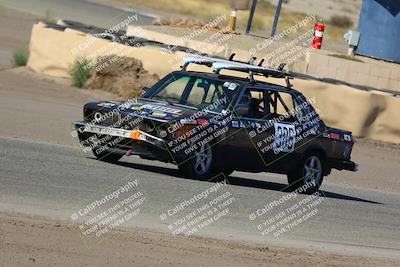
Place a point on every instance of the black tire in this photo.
(309, 175)
(201, 165)
(106, 156)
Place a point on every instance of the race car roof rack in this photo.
(219, 64)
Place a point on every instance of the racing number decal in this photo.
(285, 136)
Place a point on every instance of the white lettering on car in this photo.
(285, 138)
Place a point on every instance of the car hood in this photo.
(148, 108)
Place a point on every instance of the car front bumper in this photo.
(135, 135)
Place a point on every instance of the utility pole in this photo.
(277, 13)
(251, 15)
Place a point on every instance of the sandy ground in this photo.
(15, 30)
(379, 165)
(28, 241)
(41, 108)
(325, 8)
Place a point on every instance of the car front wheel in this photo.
(201, 164)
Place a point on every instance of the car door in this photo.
(270, 128)
(249, 114)
(284, 132)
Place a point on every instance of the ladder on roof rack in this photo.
(219, 64)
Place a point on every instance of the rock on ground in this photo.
(121, 75)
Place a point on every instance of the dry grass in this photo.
(209, 9)
(341, 21)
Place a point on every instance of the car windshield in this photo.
(198, 92)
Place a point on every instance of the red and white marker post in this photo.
(319, 29)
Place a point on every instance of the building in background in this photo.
(379, 28)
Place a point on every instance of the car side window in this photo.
(211, 96)
(174, 90)
(199, 90)
(282, 106)
(252, 104)
(205, 92)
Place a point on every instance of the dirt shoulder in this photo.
(16, 33)
(379, 165)
(40, 108)
(28, 240)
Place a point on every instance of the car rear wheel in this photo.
(309, 175)
(102, 155)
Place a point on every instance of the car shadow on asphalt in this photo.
(283, 188)
(239, 181)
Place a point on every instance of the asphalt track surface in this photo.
(55, 181)
(77, 10)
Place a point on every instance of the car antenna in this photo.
(231, 56)
(261, 62)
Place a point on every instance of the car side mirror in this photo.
(145, 88)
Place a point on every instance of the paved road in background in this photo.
(77, 10)
(56, 181)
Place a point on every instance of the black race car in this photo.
(209, 123)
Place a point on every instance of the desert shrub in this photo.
(20, 58)
(81, 72)
(341, 21)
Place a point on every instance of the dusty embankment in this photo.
(27, 241)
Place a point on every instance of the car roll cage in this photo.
(218, 64)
